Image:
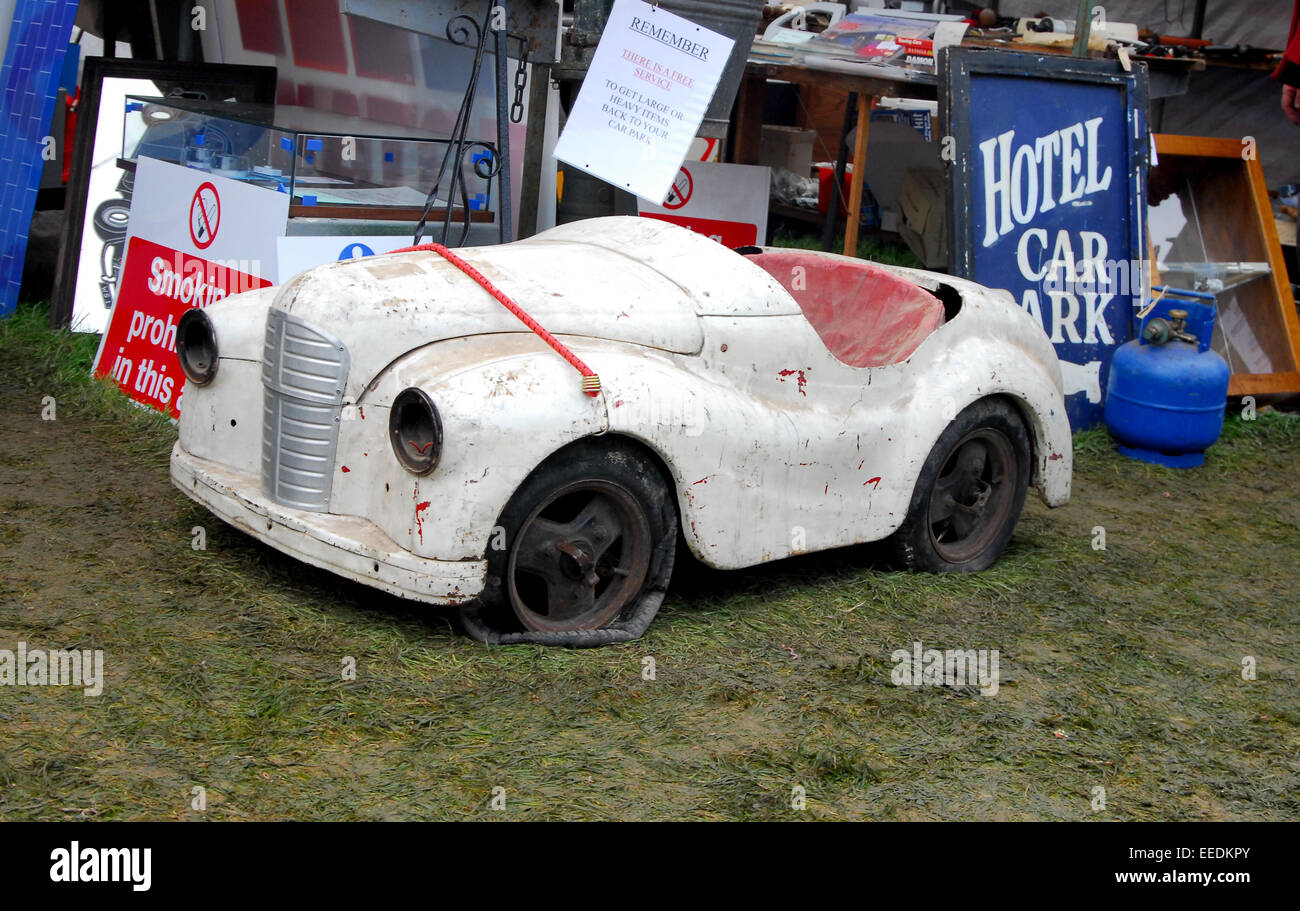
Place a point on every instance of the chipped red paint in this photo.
(618, 404)
(703, 480)
(361, 411)
(419, 519)
(346, 469)
(1055, 457)
(874, 482)
(803, 380)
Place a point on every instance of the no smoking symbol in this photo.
(681, 191)
(205, 216)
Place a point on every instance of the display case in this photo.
(333, 167)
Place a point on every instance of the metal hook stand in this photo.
(462, 32)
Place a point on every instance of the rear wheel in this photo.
(589, 545)
(969, 494)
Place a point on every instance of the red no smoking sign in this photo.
(205, 216)
(681, 192)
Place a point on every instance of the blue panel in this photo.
(33, 69)
(1046, 194)
(71, 63)
(314, 145)
(1052, 212)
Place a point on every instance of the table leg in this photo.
(865, 104)
(837, 180)
(749, 120)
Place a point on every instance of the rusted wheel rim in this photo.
(973, 496)
(579, 558)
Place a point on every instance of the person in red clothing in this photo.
(1288, 71)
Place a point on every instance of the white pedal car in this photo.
(390, 420)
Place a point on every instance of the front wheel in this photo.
(969, 493)
(589, 545)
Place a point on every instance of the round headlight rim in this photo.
(183, 329)
(417, 463)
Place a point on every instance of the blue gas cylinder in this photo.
(1168, 391)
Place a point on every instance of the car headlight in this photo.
(416, 431)
(196, 346)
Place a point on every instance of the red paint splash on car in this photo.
(419, 519)
(874, 482)
(802, 381)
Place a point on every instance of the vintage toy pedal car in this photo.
(396, 421)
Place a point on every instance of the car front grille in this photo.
(303, 375)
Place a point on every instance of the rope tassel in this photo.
(590, 382)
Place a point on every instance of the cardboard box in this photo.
(923, 216)
(787, 147)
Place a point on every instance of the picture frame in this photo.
(1212, 229)
(96, 216)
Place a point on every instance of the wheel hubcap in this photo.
(973, 495)
(579, 558)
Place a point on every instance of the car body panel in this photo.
(773, 446)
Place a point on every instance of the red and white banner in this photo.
(193, 239)
(727, 202)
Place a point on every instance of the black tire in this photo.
(111, 218)
(969, 494)
(589, 542)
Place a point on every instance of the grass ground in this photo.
(1120, 668)
(877, 247)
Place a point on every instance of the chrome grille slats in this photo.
(303, 374)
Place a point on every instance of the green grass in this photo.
(875, 248)
(1120, 668)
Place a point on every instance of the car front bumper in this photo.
(349, 546)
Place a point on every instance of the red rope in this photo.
(590, 382)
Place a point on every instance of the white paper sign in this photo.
(644, 97)
(298, 254)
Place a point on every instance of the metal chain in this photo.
(521, 82)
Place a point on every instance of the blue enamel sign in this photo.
(1047, 186)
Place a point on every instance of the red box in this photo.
(826, 175)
